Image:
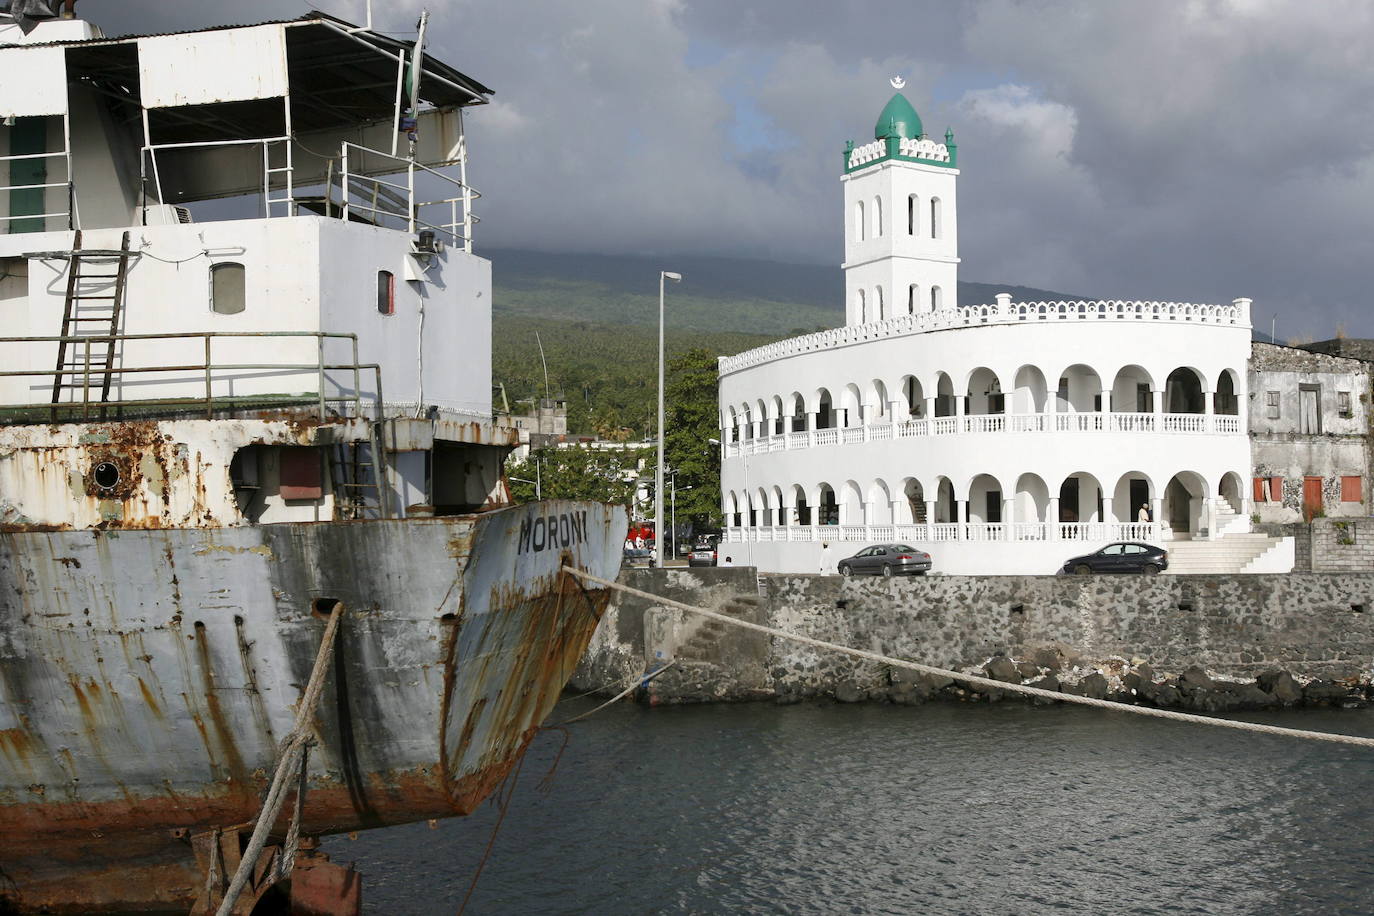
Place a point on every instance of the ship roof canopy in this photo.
(338, 76)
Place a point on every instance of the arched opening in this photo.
(752, 513)
(779, 416)
(877, 413)
(937, 298)
(915, 506)
(937, 228)
(825, 410)
(1079, 391)
(1080, 498)
(1230, 490)
(915, 396)
(985, 500)
(801, 510)
(1032, 501)
(913, 218)
(1030, 393)
(798, 412)
(879, 313)
(1225, 398)
(763, 510)
(913, 296)
(1132, 391)
(879, 504)
(732, 510)
(781, 515)
(946, 508)
(761, 415)
(859, 221)
(944, 396)
(1185, 498)
(1183, 392)
(746, 419)
(827, 507)
(862, 311)
(985, 392)
(877, 217)
(731, 430)
(1132, 496)
(851, 401)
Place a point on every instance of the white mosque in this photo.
(1000, 438)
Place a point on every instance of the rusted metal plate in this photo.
(147, 675)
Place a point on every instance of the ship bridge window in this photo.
(386, 292)
(226, 288)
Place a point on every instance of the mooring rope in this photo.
(292, 750)
(639, 680)
(979, 681)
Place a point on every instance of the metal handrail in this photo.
(208, 367)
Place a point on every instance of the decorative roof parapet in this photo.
(1004, 311)
(922, 149)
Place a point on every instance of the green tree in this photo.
(577, 472)
(689, 424)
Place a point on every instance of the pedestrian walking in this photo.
(824, 567)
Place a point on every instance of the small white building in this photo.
(1001, 438)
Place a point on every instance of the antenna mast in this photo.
(547, 395)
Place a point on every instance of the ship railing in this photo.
(86, 376)
(270, 171)
(382, 200)
(9, 219)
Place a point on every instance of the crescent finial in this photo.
(897, 82)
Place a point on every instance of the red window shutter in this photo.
(300, 473)
(1276, 489)
(1350, 489)
(1259, 489)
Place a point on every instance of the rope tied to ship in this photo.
(290, 761)
(979, 681)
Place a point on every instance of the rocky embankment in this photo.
(1134, 682)
(1196, 643)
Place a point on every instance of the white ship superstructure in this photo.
(246, 223)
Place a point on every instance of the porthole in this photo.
(106, 475)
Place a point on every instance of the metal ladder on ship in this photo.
(85, 285)
(350, 481)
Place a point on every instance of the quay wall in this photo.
(1311, 625)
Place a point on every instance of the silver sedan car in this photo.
(886, 560)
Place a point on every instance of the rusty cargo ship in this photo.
(216, 247)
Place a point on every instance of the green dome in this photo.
(898, 119)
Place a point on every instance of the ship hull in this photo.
(147, 678)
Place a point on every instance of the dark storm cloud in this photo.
(1183, 149)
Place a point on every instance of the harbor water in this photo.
(938, 809)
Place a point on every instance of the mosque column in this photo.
(1157, 512)
(1157, 397)
(929, 409)
(1052, 517)
(1104, 406)
(894, 411)
(1210, 408)
(1008, 510)
(930, 519)
(1108, 518)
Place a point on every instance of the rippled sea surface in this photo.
(978, 809)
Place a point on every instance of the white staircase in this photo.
(1231, 553)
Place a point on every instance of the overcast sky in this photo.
(1195, 150)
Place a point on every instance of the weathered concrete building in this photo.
(1309, 425)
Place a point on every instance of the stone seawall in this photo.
(1133, 637)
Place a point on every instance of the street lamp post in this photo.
(663, 276)
(673, 523)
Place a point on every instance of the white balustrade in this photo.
(945, 531)
(944, 426)
(879, 432)
(827, 436)
(800, 439)
(1185, 422)
(827, 532)
(910, 428)
(881, 533)
(853, 434)
(1227, 424)
(1030, 531)
(1235, 315)
(1131, 422)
